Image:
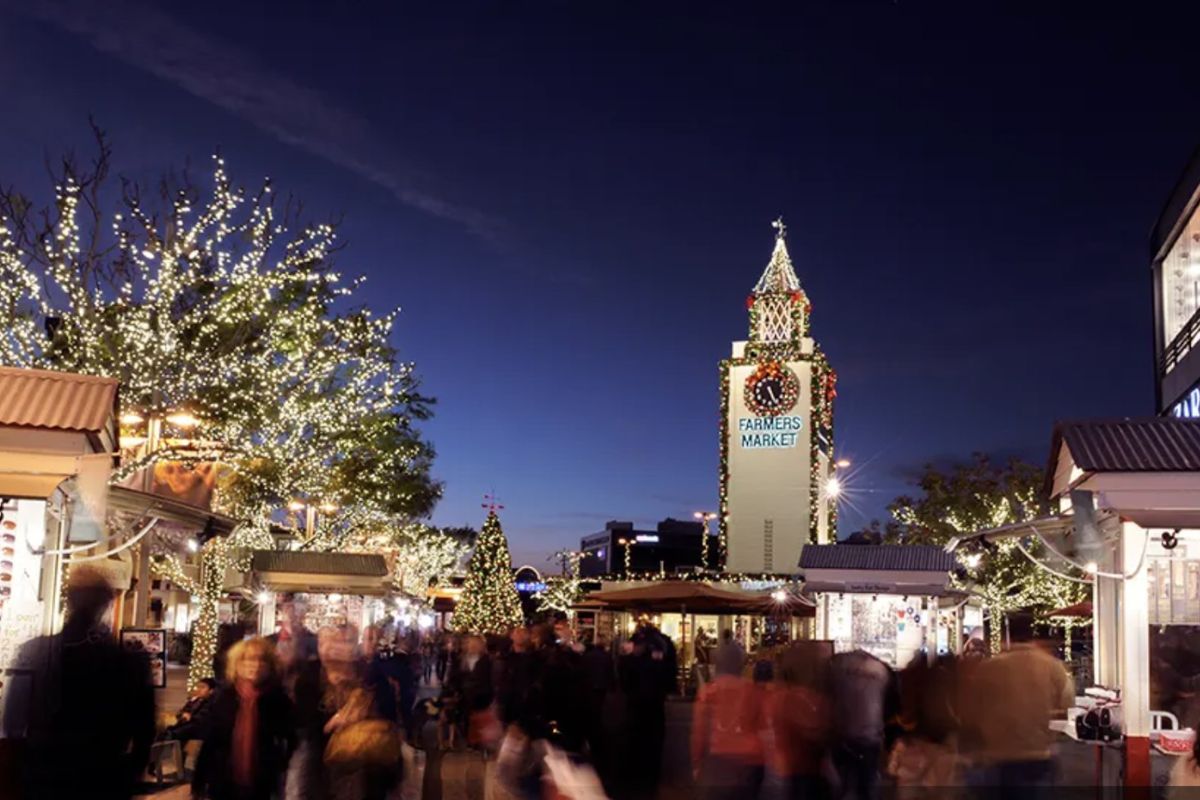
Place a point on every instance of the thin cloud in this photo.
(146, 38)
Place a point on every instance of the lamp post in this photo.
(310, 510)
(705, 517)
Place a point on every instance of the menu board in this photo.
(152, 642)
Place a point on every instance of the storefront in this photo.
(58, 435)
(1175, 264)
(1127, 500)
(891, 601)
(335, 589)
(688, 612)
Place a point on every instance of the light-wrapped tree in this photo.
(489, 602)
(205, 301)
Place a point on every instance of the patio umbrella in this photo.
(696, 597)
(1081, 609)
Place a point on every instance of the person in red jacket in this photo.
(728, 726)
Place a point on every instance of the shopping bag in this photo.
(565, 779)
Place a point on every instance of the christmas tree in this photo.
(489, 602)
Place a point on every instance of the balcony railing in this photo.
(1187, 338)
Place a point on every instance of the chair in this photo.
(160, 752)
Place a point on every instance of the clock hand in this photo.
(771, 393)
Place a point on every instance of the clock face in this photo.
(772, 389)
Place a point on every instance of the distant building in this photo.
(673, 546)
(1175, 254)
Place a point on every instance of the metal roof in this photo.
(369, 565)
(1153, 444)
(879, 557)
(37, 398)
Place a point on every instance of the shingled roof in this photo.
(883, 557)
(1154, 444)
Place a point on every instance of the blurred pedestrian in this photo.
(251, 729)
(469, 684)
(799, 711)
(86, 717)
(864, 696)
(730, 657)
(728, 726)
(926, 753)
(647, 675)
(1008, 706)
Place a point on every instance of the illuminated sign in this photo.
(531, 587)
(1189, 406)
(646, 537)
(769, 432)
(760, 585)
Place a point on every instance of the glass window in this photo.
(1181, 283)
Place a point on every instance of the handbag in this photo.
(368, 742)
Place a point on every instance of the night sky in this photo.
(570, 201)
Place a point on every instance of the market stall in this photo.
(893, 601)
(682, 609)
(1126, 496)
(58, 434)
(336, 589)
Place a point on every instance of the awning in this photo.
(320, 573)
(1049, 527)
(694, 597)
(144, 504)
(1082, 610)
(881, 586)
(34, 398)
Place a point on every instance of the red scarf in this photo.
(245, 734)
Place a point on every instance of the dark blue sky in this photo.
(570, 201)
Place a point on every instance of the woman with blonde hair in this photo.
(251, 730)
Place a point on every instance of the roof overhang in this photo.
(320, 583)
(145, 504)
(880, 584)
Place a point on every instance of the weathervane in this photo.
(780, 228)
(489, 502)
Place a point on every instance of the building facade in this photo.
(776, 437)
(1175, 254)
(673, 546)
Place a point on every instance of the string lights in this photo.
(234, 329)
(780, 312)
(489, 602)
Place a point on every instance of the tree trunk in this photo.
(995, 630)
(204, 632)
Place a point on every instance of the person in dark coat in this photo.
(600, 679)
(516, 675)
(470, 684)
(192, 719)
(85, 715)
(251, 729)
(647, 675)
(559, 698)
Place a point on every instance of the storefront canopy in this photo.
(917, 570)
(318, 573)
(696, 597)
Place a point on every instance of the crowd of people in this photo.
(327, 715)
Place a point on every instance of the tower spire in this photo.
(780, 275)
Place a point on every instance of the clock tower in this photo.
(777, 392)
